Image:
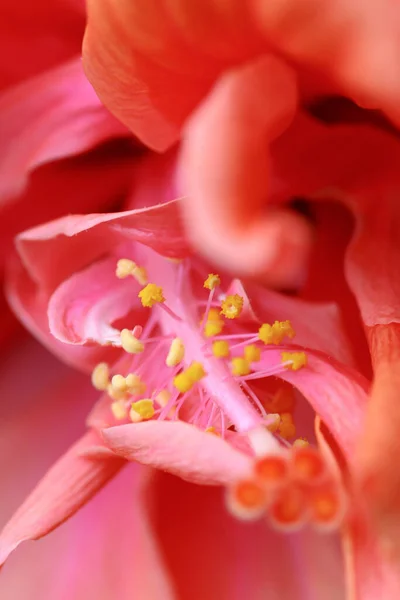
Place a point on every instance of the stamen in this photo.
(130, 343)
(183, 382)
(294, 360)
(101, 377)
(267, 372)
(214, 324)
(274, 334)
(220, 349)
(240, 366)
(196, 371)
(274, 420)
(231, 306)
(116, 394)
(134, 384)
(300, 443)
(140, 274)
(119, 410)
(176, 353)
(287, 428)
(118, 383)
(125, 267)
(142, 410)
(252, 353)
(212, 281)
(151, 294)
(163, 397)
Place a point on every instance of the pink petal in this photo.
(52, 116)
(83, 308)
(317, 325)
(336, 392)
(180, 449)
(73, 242)
(31, 306)
(69, 484)
(211, 555)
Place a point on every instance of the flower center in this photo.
(199, 360)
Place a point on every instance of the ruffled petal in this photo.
(47, 118)
(83, 308)
(180, 449)
(74, 241)
(30, 304)
(69, 484)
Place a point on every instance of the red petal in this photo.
(69, 484)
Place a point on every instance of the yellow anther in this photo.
(270, 334)
(125, 267)
(115, 394)
(142, 410)
(212, 281)
(297, 360)
(300, 443)
(232, 306)
(101, 377)
(151, 294)
(118, 383)
(286, 328)
(214, 315)
(212, 328)
(130, 343)
(274, 334)
(163, 398)
(176, 353)
(275, 421)
(134, 384)
(287, 428)
(183, 382)
(252, 353)
(196, 371)
(214, 324)
(140, 274)
(213, 431)
(240, 366)
(220, 348)
(119, 410)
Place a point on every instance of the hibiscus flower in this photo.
(223, 384)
